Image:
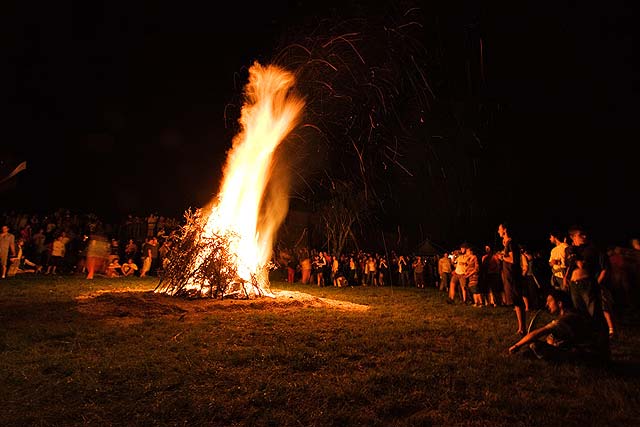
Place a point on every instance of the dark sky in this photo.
(120, 107)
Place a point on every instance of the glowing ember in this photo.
(253, 199)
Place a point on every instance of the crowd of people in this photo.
(579, 281)
(576, 280)
(67, 243)
(360, 268)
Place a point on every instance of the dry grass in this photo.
(111, 353)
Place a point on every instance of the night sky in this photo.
(130, 106)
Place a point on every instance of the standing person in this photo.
(403, 271)
(383, 271)
(152, 221)
(155, 257)
(393, 270)
(320, 263)
(372, 271)
(286, 259)
(530, 288)
(418, 272)
(145, 255)
(7, 244)
(445, 267)
(335, 270)
(431, 268)
(557, 260)
(83, 244)
(512, 276)
(587, 277)
(38, 241)
(619, 278)
(473, 276)
(163, 255)
(353, 271)
(490, 276)
(305, 267)
(57, 255)
(97, 254)
(326, 269)
(66, 241)
(459, 275)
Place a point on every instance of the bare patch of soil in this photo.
(132, 307)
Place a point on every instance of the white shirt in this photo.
(461, 263)
(558, 253)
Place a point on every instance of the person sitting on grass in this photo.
(114, 269)
(129, 268)
(571, 336)
(20, 263)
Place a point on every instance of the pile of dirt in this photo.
(129, 306)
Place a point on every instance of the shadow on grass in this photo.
(29, 311)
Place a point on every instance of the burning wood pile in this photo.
(202, 264)
(225, 250)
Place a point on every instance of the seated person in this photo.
(129, 268)
(341, 281)
(20, 263)
(114, 269)
(571, 336)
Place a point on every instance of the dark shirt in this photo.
(595, 260)
(574, 331)
(513, 268)
(145, 250)
(154, 250)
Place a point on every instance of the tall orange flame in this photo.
(252, 203)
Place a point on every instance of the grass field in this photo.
(109, 352)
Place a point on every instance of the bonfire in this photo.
(225, 249)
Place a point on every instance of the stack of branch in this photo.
(202, 265)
